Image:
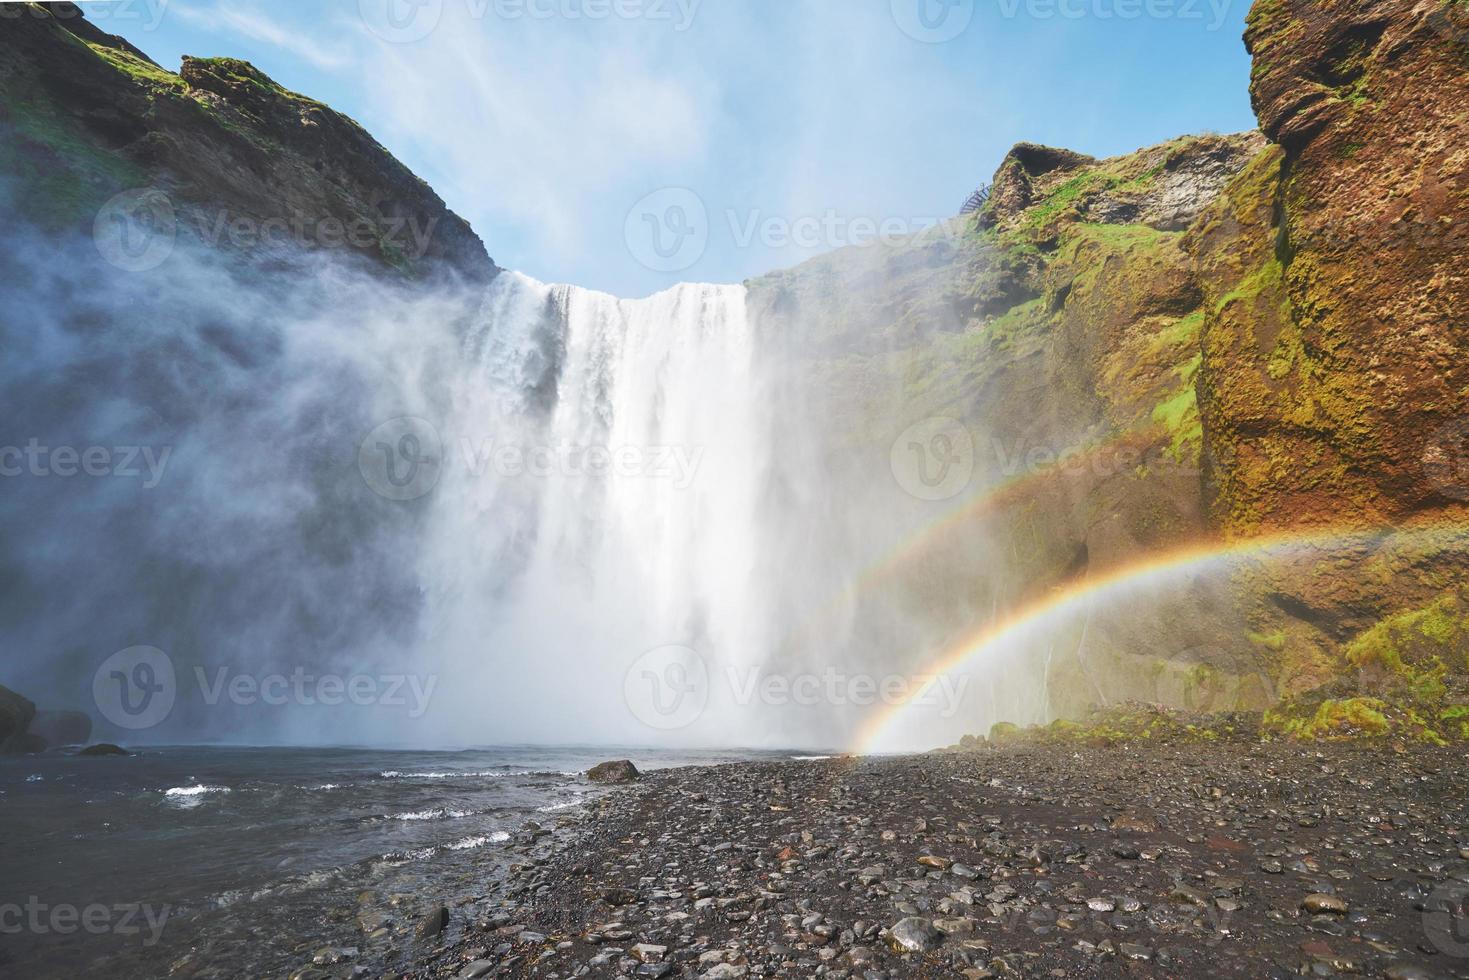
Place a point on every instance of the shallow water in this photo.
(213, 861)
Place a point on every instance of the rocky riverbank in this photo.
(1233, 859)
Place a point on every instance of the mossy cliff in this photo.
(1241, 337)
(84, 116)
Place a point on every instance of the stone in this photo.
(1318, 904)
(620, 771)
(16, 714)
(432, 924)
(648, 953)
(102, 749)
(913, 935)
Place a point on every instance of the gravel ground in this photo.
(1235, 860)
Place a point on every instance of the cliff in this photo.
(240, 162)
(1242, 338)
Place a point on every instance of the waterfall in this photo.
(605, 461)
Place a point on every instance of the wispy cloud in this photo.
(266, 29)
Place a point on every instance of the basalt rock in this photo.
(16, 714)
(88, 116)
(103, 749)
(621, 771)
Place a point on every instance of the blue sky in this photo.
(746, 134)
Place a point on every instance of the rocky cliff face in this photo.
(1334, 379)
(1229, 338)
(240, 163)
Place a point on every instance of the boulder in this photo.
(62, 727)
(621, 771)
(15, 713)
(103, 749)
(432, 924)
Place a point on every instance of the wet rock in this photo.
(620, 771)
(432, 924)
(913, 935)
(1318, 904)
(16, 713)
(103, 749)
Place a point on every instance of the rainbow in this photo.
(1072, 598)
(999, 495)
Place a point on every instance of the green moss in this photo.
(1001, 730)
(1414, 651)
(1270, 641)
(66, 175)
(1179, 414)
(1019, 321)
(144, 71)
(1183, 331)
(1065, 196)
(1332, 720)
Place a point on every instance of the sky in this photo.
(626, 145)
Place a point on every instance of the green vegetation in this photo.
(143, 71)
(1331, 720)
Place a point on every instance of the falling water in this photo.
(605, 464)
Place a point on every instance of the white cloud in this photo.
(267, 30)
(541, 127)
